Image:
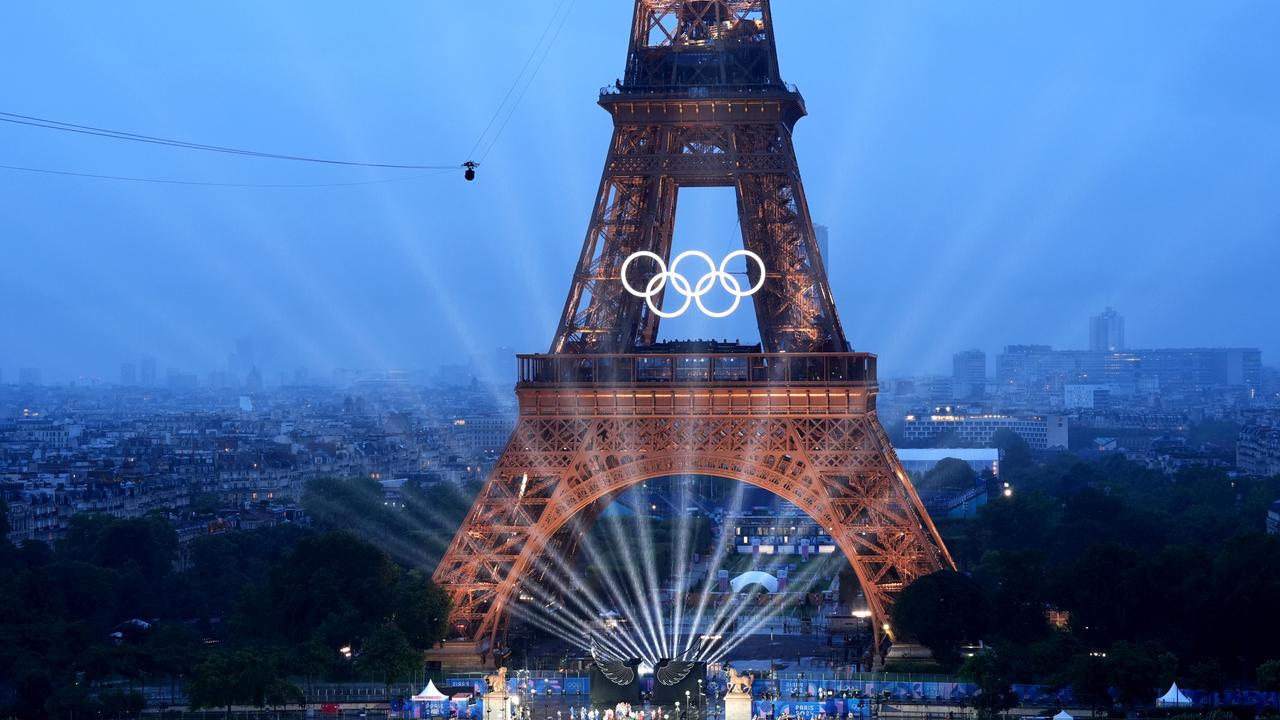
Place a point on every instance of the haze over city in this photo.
(810, 360)
(991, 174)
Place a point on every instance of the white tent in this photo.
(754, 577)
(1173, 698)
(1064, 715)
(430, 694)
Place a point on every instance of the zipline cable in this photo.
(149, 139)
(161, 181)
(516, 83)
(529, 84)
(540, 50)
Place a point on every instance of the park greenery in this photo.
(415, 527)
(250, 619)
(1108, 578)
(1098, 575)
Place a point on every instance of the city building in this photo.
(1106, 332)
(951, 498)
(1085, 397)
(1037, 375)
(147, 372)
(1040, 432)
(129, 451)
(823, 235)
(763, 531)
(482, 435)
(1273, 518)
(922, 460)
(128, 374)
(1258, 450)
(969, 375)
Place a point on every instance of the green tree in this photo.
(170, 649)
(33, 687)
(1026, 521)
(388, 655)
(119, 703)
(150, 543)
(1269, 677)
(1100, 591)
(1246, 587)
(225, 679)
(942, 611)
(102, 662)
(1208, 675)
(1014, 583)
(1090, 679)
(215, 684)
(72, 701)
(280, 692)
(421, 610)
(82, 592)
(1140, 670)
(311, 660)
(950, 474)
(333, 579)
(991, 675)
(1015, 454)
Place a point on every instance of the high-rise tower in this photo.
(1106, 332)
(701, 104)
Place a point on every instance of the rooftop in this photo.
(937, 454)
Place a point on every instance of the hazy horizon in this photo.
(991, 174)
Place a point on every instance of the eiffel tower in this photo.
(702, 104)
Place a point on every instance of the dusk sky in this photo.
(992, 173)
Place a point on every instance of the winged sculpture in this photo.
(674, 672)
(618, 672)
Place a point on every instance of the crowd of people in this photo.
(621, 711)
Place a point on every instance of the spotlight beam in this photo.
(636, 584)
(757, 619)
(739, 492)
(616, 589)
(574, 588)
(654, 602)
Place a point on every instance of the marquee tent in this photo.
(1173, 698)
(430, 694)
(1064, 715)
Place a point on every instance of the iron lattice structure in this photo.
(701, 105)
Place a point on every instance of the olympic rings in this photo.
(693, 293)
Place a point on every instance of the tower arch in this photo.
(581, 438)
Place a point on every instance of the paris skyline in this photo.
(992, 176)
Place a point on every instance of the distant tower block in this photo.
(701, 104)
(823, 233)
(1106, 332)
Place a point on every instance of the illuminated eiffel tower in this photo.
(702, 104)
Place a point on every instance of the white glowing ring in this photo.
(655, 286)
(627, 263)
(693, 292)
(751, 256)
(736, 292)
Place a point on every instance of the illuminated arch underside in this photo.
(841, 471)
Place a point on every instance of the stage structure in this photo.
(701, 104)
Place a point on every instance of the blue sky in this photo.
(992, 173)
